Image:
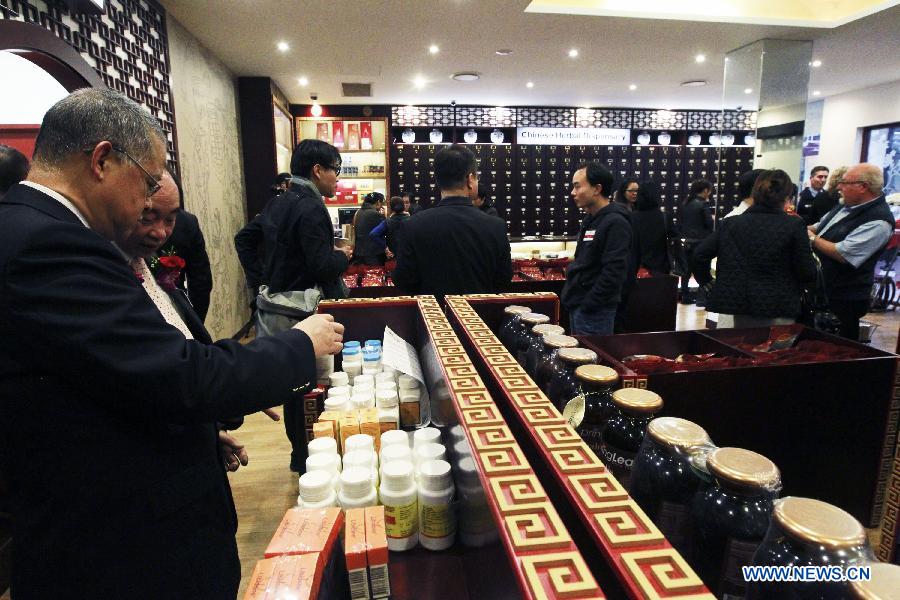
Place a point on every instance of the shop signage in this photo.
(572, 136)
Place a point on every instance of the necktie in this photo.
(160, 298)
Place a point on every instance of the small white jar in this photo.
(400, 498)
(316, 490)
(357, 490)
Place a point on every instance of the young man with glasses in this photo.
(297, 235)
(849, 240)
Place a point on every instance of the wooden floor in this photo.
(266, 488)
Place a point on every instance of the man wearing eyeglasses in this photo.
(848, 241)
(107, 411)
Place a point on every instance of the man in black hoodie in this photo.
(595, 278)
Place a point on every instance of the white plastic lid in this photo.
(408, 382)
(356, 483)
(462, 449)
(336, 403)
(338, 378)
(426, 452)
(385, 376)
(359, 441)
(434, 475)
(325, 445)
(330, 463)
(364, 380)
(315, 486)
(457, 433)
(386, 385)
(360, 458)
(362, 401)
(386, 399)
(394, 452)
(394, 437)
(339, 391)
(426, 435)
(397, 475)
(467, 473)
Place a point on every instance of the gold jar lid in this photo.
(534, 318)
(817, 522)
(515, 309)
(884, 584)
(677, 433)
(743, 467)
(579, 356)
(636, 400)
(547, 329)
(597, 374)
(560, 341)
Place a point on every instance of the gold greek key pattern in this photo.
(558, 434)
(596, 490)
(625, 524)
(533, 397)
(541, 414)
(473, 398)
(504, 460)
(890, 505)
(576, 459)
(487, 436)
(541, 529)
(560, 575)
(480, 415)
(664, 574)
(518, 494)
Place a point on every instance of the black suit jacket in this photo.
(107, 419)
(187, 242)
(453, 248)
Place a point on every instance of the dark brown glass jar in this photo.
(884, 583)
(523, 339)
(731, 516)
(631, 411)
(588, 411)
(552, 345)
(663, 481)
(536, 350)
(805, 532)
(511, 324)
(563, 385)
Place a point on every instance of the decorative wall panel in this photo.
(422, 116)
(660, 119)
(545, 117)
(612, 118)
(485, 116)
(713, 120)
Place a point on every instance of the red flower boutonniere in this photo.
(167, 269)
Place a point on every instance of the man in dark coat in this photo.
(108, 436)
(366, 250)
(816, 191)
(13, 168)
(454, 248)
(603, 257)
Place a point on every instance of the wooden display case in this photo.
(536, 557)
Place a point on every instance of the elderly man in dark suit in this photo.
(108, 412)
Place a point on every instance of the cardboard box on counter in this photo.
(355, 553)
(377, 552)
(285, 576)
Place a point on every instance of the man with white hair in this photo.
(848, 241)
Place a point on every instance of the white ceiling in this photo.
(386, 43)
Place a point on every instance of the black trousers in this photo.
(295, 428)
(850, 312)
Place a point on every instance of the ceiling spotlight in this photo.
(303, 81)
(433, 49)
(316, 110)
(503, 52)
(694, 83)
(419, 82)
(817, 93)
(573, 53)
(283, 46)
(466, 76)
(529, 85)
(816, 63)
(748, 90)
(700, 58)
(632, 87)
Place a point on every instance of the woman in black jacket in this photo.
(650, 229)
(695, 223)
(764, 259)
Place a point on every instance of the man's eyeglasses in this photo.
(152, 184)
(335, 168)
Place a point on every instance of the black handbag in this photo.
(814, 309)
(678, 258)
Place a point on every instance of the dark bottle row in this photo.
(531, 184)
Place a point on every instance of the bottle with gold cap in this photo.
(535, 350)
(883, 583)
(523, 339)
(563, 385)
(545, 366)
(663, 479)
(511, 324)
(805, 532)
(588, 412)
(631, 411)
(731, 516)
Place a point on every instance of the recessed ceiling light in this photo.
(316, 110)
(573, 53)
(694, 83)
(700, 58)
(748, 90)
(419, 82)
(433, 49)
(632, 87)
(529, 85)
(817, 93)
(283, 46)
(303, 81)
(503, 52)
(817, 63)
(466, 76)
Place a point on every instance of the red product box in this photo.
(285, 576)
(352, 136)
(355, 553)
(306, 530)
(377, 552)
(337, 134)
(365, 135)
